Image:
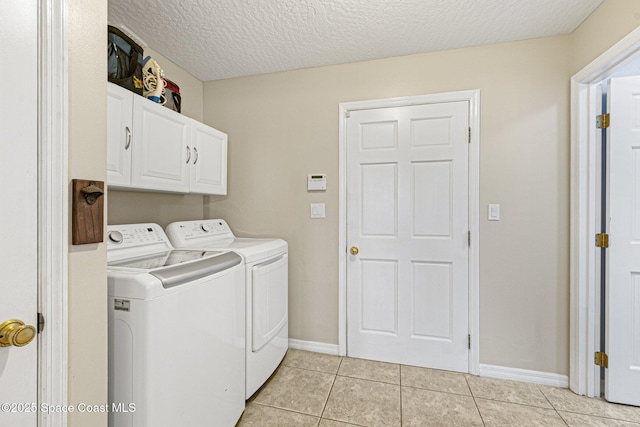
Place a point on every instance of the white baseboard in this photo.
(318, 347)
(524, 375)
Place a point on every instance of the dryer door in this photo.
(270, 292)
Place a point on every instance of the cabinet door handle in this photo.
(188, 154)
(128, 138)
(195, 152)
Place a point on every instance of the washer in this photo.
(176, 332)
(267, 290)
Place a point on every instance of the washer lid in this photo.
(177, 267)
(162, 259)
(179, 274)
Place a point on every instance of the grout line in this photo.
(475, 402)
(401, 420)
(324, 407)
(602, 417)
(433, 390)
(285, 409)
(344, 422)
(369, 379)
(552, 405)
(310, 370)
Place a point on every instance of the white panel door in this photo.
(19, 195)
(622, 381)
(209, 160)
(407, 215)
(161, 155)
(119, 137)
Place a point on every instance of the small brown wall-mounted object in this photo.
(87, 216)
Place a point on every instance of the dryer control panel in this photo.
(189, 233)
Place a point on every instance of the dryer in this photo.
(176, 332)
(267, 290)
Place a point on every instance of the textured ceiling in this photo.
(217, 39)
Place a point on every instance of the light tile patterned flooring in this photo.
(319, 390)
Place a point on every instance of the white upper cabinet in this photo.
(153, 148)
(208, 173)
(160, 158)
(119, 137)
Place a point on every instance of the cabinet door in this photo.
(161, 155)
(119, 137)
(209, 160)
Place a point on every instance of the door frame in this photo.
(584, 338)
(473, 97)
(52, 210)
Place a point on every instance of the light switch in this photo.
(317, 210)
(494, 212)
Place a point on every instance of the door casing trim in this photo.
(584, 310)
(473, 97)
(52, 212)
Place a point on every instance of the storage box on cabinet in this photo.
(156, 149)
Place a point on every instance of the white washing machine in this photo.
(267, 290)
(176, 332)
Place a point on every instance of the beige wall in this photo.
(87, 291)
(607, 25)
(285, 125)
(127, 207)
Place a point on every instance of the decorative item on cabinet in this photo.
(154, 83)
(124, 59)
(172, 93)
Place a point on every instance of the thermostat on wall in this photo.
(317, 182)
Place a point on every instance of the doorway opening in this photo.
(591, 169)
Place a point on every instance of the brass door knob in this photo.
(16, 333)
(354, 250)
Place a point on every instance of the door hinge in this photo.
(469, 341)
(602, 121)
(601, 359)
(40, 322)
(469, 136)
(347, 114)
(602, 240)
(469, 238)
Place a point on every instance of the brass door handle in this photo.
(354, 250)
(15, 333)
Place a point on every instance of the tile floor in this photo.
(319, 390)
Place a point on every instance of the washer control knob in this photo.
(115, 236)
(207, 228)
